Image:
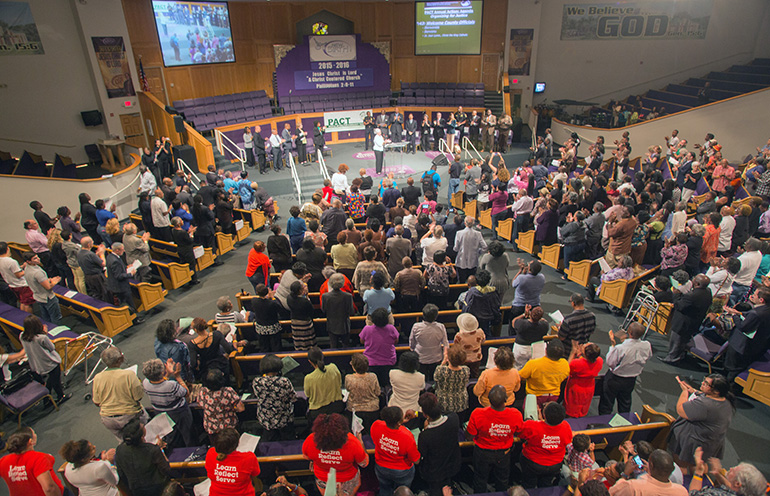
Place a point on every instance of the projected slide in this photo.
(448, 28)
(193, 32)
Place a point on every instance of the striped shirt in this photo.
(165, 396)
(577, 326)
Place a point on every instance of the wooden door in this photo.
(490, 71)
(132, 130)
(154, 77)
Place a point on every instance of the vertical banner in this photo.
(520, 54)
(18, 31)
(111, 54)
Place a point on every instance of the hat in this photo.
(467, 322)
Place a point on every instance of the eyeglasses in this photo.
(706, 383)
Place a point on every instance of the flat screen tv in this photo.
(448, 28)
(192, 33)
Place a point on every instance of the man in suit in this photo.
(689, 311)
(396, 126)
(118, 276)
(382, 123)
(368, 129)
(751, 337)
(462, 122)
(275, 144)
(211, 176)
(287, 139)
(439, 126)
(411, 129)
(259, 149)
(184, 246)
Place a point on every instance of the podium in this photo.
(400, 172)
(109, 149)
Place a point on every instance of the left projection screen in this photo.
(193, 33)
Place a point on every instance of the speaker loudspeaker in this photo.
(440, 160)
(179, 123)
(186, 153)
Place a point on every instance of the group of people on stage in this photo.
(279, 146)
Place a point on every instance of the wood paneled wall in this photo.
(257, 26)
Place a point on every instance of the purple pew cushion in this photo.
(13, 314)
(26, 396)
(82, 298)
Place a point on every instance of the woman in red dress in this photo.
(585, 363)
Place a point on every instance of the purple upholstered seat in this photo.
(25, 397)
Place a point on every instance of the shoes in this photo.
(218, 263)
(194, 282)
(62, 399)
(669, 361)
(139, 320)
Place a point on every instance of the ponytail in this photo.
(316, 357)
(722, 387)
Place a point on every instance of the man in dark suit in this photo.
(689, 311)
(411, 194)
(411, 129)
(184, 246)
(259, 149)
(118, 278)
(396, 126)
(211, 176)
(751, 337)
(382, 122)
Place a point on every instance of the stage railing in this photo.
(443, 146)
(182, 166)
(118, 192)
(322, 165)
(466, 144)
(230, 147)
(295, 176)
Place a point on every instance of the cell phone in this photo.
(638, 461)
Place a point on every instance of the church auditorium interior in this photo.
(384, 246)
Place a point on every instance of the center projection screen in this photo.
(193, 32)
(448, 28)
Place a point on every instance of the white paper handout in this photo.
(491, 358)
(538, 349)
(556, 316)
(58, 330)
(356, 424)
(555, 162)
(70, 294)
(604, 265)
(134, 368)
(198, 251)
(238, 224)
(247, 443)
(202, 489)
(135, 264)
(160, 426)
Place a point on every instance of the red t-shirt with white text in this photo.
(345, 460)
(393, 448)
(20, 472)
(545, 444)
(494, 430)
(231, 476)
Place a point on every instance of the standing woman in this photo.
(205, 353)
(266, 310)
(323, 386)
(314, 259)
(279, 249)
(204, 219)
(276, 397)
(88, 216)
(301, 142)
(26, 471)
(231, 471)
(319, 141)
(703, 420)
(585, 362)
(92, 476)
(295, 228)
(302, 330)
(258, 268)
(42, 355)
(425, 133)
(496, 262)
(248, 145)
(68, 223)
(452, 378)
(546, 232)
(143, 468)
(332, 445)
(340, 182)
(451, 129)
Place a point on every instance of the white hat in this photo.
(467, 322)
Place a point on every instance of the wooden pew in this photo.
(164, 250)
(618, 293)
(755, 381)
(17, 251)
(581, 272)
(147, 295)
(137, 219)
(505, 228)
(470, 208)
(173, 274)
(526, 242)
(245, 216)
(457, 200)
(109, 320)
(12, 323)
(551, 256)
(225, 243)
(485, 218)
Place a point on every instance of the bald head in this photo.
(661, 464)
(498, 397)
(701, 281)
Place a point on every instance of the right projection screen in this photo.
(448, 28)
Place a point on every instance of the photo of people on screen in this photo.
(193, 33)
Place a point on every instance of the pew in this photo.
(755, 380)
(618, 293)
(147, 295)
(526, 242)
(225, 243)
(173, 274)
(551, 256)
(505, 228)
(582, 271)
(243, 218)
(457, 200)
(137, 219)
(17, 251)
(470, 208)
(165, 250)
(485, 218)
(109, 320)
(12, 322)
(662, 320)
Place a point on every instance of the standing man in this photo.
(411, 194)
(136, 248)
(13, 275)
(248, 145)
(504, 123)
(455, 170)
(93, 269)
(118, 276)
(42, 288)
(38, 242)
(522, 215)
(368, 129)
(396, 126)
(147, 182)
(474, 123)
(287, 139)
(382, 124)
(620, 230)
(578, 325)
(275, 146)
(625, 362)
(160, 220)
(462, 122)
(333, 221)
(751, 336)
(472, 180)
(488, 139)
(259, 149)
(118, 393)
(439, 126)
(469, 245)
(689, 311)
(184, 243)
(379, 150)
(493, 429)
(528, 283)
(411, 136)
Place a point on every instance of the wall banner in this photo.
(520, 54)
(111, 54)
(640, 20)
(18, 31)
(352, 120)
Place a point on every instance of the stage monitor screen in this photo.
(193, 32)
(539, 87)
(448, 28)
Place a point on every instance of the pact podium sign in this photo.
(350, 120)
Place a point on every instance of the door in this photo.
(154, 77)
(490, 71)
(132, 130)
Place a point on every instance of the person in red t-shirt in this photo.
(395, 450)
(494, 428)
(231, 472)
(26, 471)
(545, 443)
(258, 268)
(332, 446)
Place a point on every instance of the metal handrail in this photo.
(295, 176)
(221, 146)
(182, 165)
(443, 146)
(125, 187)
(322, 165)
(466, 141)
